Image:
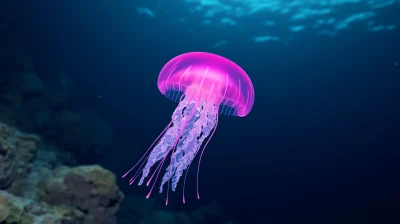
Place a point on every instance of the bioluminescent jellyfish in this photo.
(205, 85)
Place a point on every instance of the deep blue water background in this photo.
(320, 145)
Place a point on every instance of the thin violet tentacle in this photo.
(189, 108)
(201, 155)
(162, 162)
(176, 142)
(156, 170)
(188, 167)
(138, 171)
(161, 149)
(158, 173)
(151, 146)
(208, 124)
(192, 139)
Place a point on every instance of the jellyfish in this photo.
(204, 85)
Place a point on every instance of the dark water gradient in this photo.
(320, 146)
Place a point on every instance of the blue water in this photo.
(321, 142)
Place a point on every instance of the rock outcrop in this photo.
(17, 151)
(34, 192)
(18, 210)
(90, 189)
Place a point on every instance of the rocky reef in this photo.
(21, 210)
(17, 151)
(39, 179)
(34, 191)
(90, 189)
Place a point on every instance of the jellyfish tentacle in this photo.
(182, 147)
(183, 110)
(160, 136)
(201, 155)
(161, 149)
(202, 126)
(138, 171)
(177, 139)
(154, 183)
(155, 171)
(151, 146)
(160, 164)
(159, 167)
(178, 123)
(190, 142)
(188, 146)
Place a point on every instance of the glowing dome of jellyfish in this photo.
(204, 84)
(208, 75)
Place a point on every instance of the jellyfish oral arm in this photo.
(192, 122)
(197, 130)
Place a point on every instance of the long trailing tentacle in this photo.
(192, 123)
(201, 155)
(210, 116)
(176, 142)
(160, 136)
(148, 150)
(178, 113)
(171, 148)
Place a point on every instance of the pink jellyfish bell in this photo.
(204, 84)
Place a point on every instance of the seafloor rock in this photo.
(17, 151)
(35, 193)
(17, 210)
(7, 161)
(91, 189)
